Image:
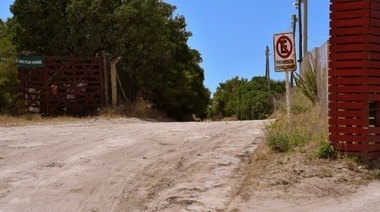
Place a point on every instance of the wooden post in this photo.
(287, 93)
(114, 81)
(105, 76)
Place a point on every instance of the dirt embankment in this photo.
(134, 165)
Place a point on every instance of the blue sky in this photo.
(232, 35)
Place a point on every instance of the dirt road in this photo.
(132, 165)
(123, 165)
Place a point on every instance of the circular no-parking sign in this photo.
(284, 46)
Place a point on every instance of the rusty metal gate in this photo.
(354, 77)
(63, 86)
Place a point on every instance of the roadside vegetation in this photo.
(156, 64)
(245, 99)
(296, 152)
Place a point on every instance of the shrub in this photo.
(325, 151)
(307, 124)
(282, 137)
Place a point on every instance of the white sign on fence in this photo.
(284, 52)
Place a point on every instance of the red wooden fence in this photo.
(63, 86)
(354, 77)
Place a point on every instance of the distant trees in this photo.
(245, 99)
(8, 73)
(157, 64)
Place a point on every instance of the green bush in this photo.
(9, 96)
(282, 137)
(325, 151)
(245, 99)
(298, 108)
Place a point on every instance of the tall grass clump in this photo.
(307, 82)
(307, 124)
(305, 127)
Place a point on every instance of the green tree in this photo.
(8, 73)
(223, 97)
(253, 101)
(245, 99)
(157, 64)
(40, 27)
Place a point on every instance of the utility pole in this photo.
(294, 21)
(305, 25)
(267, 75)
(267, 72)
(300, 34)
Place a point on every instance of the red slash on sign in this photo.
(284, 47)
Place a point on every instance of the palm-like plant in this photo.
(307, 83)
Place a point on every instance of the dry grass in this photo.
(139, 109)
(290, 170)
(30, 119)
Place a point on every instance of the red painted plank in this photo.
(349, 64)
(352, 72)
(344, 1)
(349, 81)
(354, 47)
(374, 148)
(348, 72)
(347, 113)
(353, 147)
(349, 89)
(354, 89)
(355, 105)
(358, 122)
(357, 130)
(356, 63)
(374, 72)
(355, 30)
(360, 13)
(374, 97)
(348, 97)
(349, 6)
(350, 22)
(375, 130)
(350, 138)
(342, 39)
(349, 55)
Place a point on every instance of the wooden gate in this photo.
(63, 86)
(354, 77)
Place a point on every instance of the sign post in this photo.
(285, 59)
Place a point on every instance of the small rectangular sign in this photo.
(284, 52)
(30, 61)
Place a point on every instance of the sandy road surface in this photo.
(132, 165)
(123, 165)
